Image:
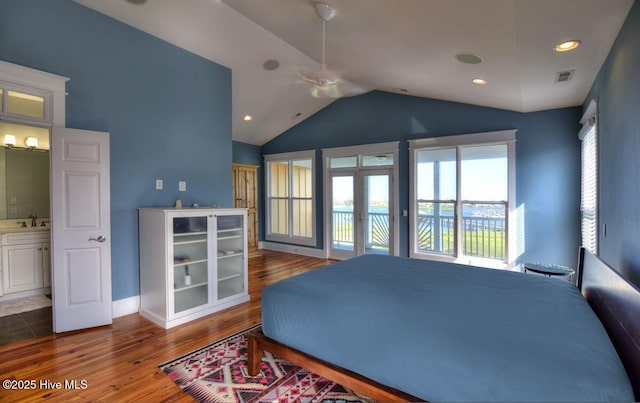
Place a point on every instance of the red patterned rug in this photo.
(218, 373)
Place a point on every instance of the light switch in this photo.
(182, 186)
(158, 184)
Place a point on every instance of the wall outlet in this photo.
(159, 184)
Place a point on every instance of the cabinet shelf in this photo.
(222, 231)
(195, 241)
(231, 255)
(188, 287)
(222, 238)
(182, 264)
(184, 234)
(230, 277)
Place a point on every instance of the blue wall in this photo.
(547, 157)
(168, 111)
(244, 153)
(617, 89)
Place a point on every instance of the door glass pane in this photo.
(342, 211)
(376, 210)
(436, 228)
(484, 184)
(377, 160)
(231, 249)
(25, 104)
(190, 273)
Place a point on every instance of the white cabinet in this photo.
(193, 262)
(25, 261)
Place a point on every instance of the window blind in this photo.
(589, 186)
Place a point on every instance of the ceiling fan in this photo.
(328, 83)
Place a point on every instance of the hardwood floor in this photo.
(120, 362)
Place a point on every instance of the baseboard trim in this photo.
(125, 306)
(294, 249)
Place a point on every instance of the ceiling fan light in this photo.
(322, 78)
(325, 11)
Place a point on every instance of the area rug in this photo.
(26, 304)
(218, 373)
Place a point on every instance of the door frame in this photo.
(360, 151)
(54, 86)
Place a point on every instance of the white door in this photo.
(80, 229)
(361, 211)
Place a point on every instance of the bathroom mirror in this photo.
(24, 174)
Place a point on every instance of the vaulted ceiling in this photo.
(403, 46)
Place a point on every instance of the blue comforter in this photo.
(448, 332)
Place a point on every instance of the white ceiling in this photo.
(386, 45)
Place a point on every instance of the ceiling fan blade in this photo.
(340, 90)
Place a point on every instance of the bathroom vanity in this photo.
(25, 260)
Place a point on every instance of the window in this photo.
(589, 179)
(24, 103)
(462, 189)
(290, 197)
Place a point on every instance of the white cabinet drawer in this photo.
(16, 238)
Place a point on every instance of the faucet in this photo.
(33, 217)
(23, 224)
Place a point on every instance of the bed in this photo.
(403, 329)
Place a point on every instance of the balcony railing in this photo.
(376, 230)
(481, 236)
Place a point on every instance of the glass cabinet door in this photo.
(190, 263)
(231, 254)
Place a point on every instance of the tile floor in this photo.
(26, 325)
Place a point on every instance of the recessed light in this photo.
(247, 118)
(567, 45)
(479, 81)
(400, 89)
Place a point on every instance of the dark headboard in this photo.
(616, 302)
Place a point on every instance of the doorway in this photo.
(25, 283)
(361, 213)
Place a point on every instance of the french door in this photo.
(361, 213)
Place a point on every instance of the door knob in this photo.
(98, 239)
